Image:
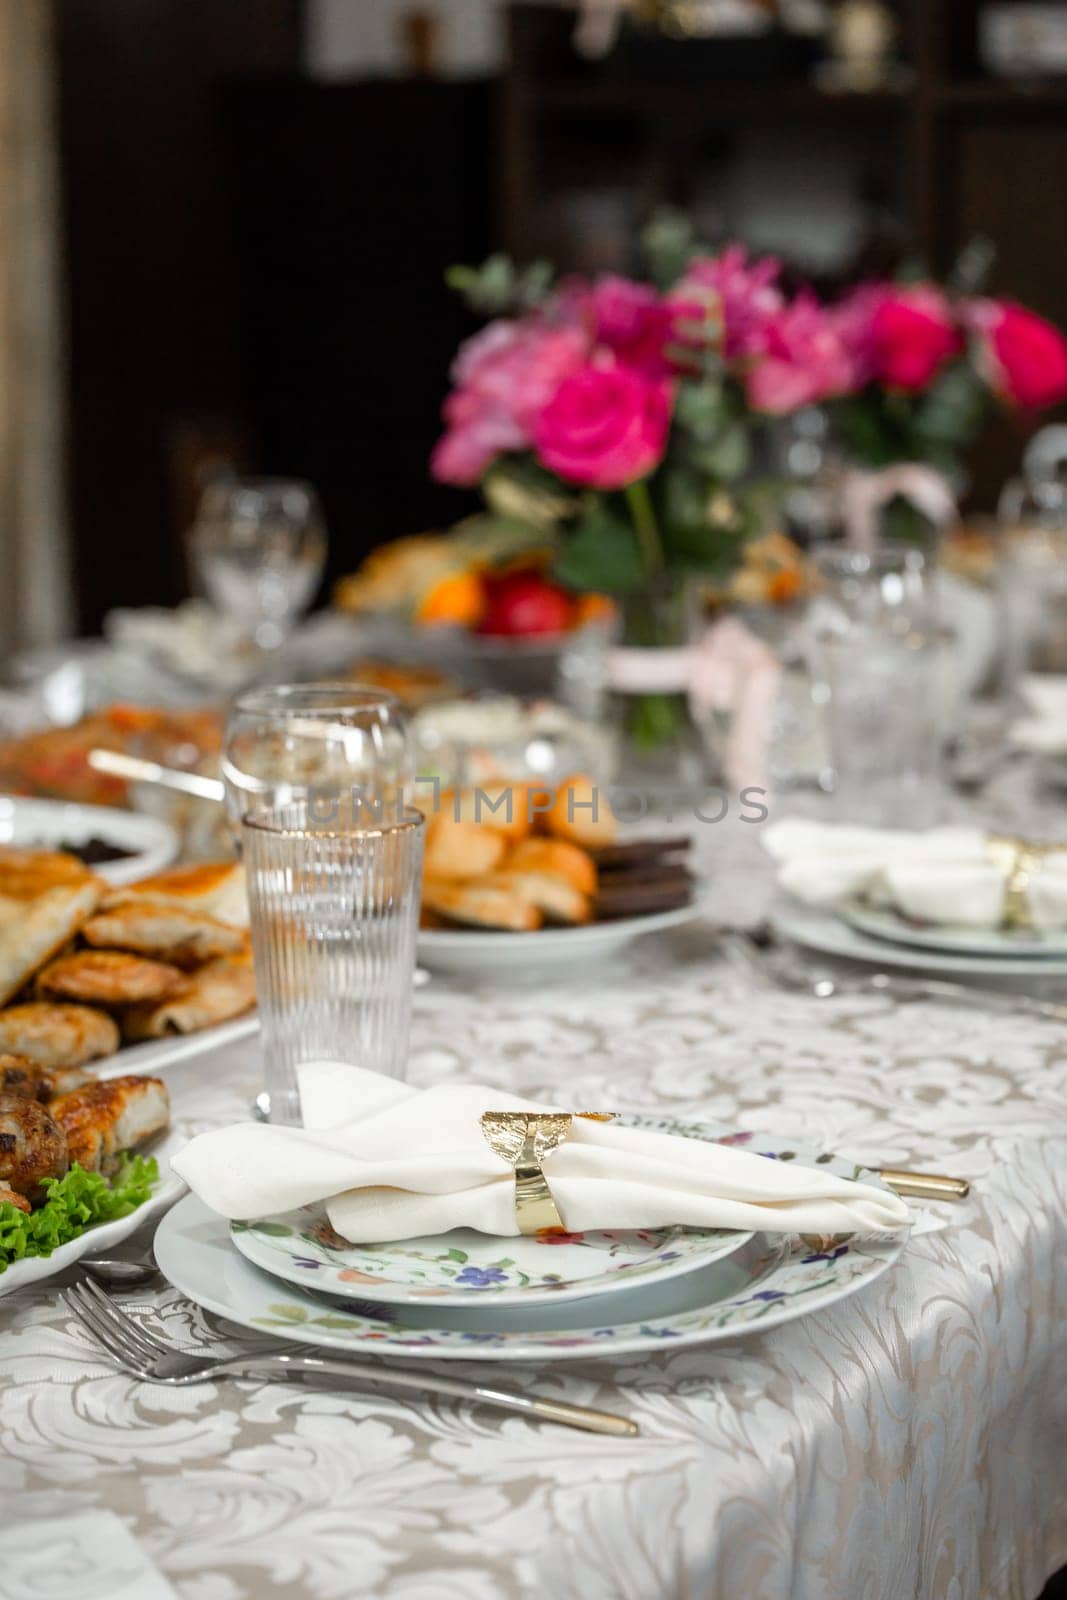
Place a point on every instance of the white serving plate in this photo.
(764, 1284)
(885, 923)
(471, 951)
(467, 1268)
(47, 824)
(830, 934)
(154, 1055)
(96, 1240)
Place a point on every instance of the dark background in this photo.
(255, 259)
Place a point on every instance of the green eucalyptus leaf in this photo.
(601, 554)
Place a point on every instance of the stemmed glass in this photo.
(344, 750)
(259, 548)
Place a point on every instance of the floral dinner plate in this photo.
(467, 1268)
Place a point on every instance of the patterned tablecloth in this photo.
(909, 1442)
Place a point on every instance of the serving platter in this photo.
(165, 1191)
(467, 1268)
(767, 1282)
(53, 824)
(155, 1055)
(472, 951)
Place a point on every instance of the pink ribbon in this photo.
(863, 494)
(729, 672)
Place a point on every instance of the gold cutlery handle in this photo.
(925, 1185)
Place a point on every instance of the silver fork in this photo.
(783, 971)
(143, 1355)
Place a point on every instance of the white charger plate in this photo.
(467, 1268)
(764, 1284)
(473, 951)
(883, 922)
(166, 1190)
(829, 933)
(49, 824)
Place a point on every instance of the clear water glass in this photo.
(887, 587)
(334, 916)
(885, 724)
(345, 750)
(259, 548)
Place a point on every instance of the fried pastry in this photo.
(554, 897)
(457, 850)
(8, 1197)
(101, 1120)
(108, 978)
(219, 991)
(500, 806)
(57, 1035)
(184, 938)
(580, 813)
(557, 856)
(33, 1146)
(482, 905)
(214, 887)
(45, 897)
(18, 1075)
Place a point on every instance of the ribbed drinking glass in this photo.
(334, 919)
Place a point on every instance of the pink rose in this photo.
(742, 293)
(801, 360)
(1025, 356)
(605, 427)
(912, 334)
(504, 377)
(632, 322)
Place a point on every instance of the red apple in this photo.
(524, 603)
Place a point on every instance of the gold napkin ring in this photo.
(523, 1139)
(1018, 859)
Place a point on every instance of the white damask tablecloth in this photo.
(908, 1443)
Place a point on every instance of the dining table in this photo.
(907, 1442)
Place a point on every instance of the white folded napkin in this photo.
(1044, 731)
(396, 1163)
(944, 875)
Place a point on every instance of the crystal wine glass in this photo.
(259, 547)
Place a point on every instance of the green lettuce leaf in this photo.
(78, 1201)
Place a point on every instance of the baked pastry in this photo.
(184, 938)
(556, 898)
(214, 887)
(557, 856)
(482, 905)
(101, 1120)
(33, 1146)
(58, 1035)
(500, 806)
(18, 1075)
(459, 850)
(45, 897)
(219, 991)
(580, 813)
(107, 977)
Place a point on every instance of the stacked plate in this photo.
(468, 1295)
(887, 937)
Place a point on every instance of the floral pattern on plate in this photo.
(464, 1267)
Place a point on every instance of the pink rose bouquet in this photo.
(619, 417)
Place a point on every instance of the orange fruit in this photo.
(458, 599)
(592, 608)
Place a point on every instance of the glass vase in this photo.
(661, 748)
